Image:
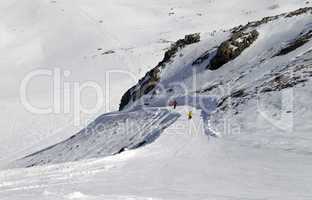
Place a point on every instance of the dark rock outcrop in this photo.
(287, 79)
(300, 41)
(299, 12)
(232, 48)
(151, 79)
(145, 85)
(205, 56)
(266, 20)
(171, 52)
(108, 52)
(243, 36)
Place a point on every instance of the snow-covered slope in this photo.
(109, 134)
(225, 59)
(261, 75)
(182, 164)
(45, 34)
(249, 88)
(275, 58)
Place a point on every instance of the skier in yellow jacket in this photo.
(190, 115)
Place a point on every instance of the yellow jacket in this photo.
(190, 114)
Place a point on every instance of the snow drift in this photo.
(109, 134)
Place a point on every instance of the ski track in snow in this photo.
(184, 163)
(67, 34)
(161, 170)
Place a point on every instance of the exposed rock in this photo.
(209, 88)
(126, 98)
(254, 24)
(232, 48)
(151, 79)
(238, 93)
(242, 37)
(282, 82)
(300, 41)
(269, 19)
(208, 54)
(171, 52)
(299, 12)
(108, 52)
(145, 85)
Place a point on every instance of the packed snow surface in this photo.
(45, 34)
(256, 145)
(109, 134)
(182, 164)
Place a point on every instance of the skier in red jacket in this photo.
(174, 104)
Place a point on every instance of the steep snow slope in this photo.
(262, 93)
(44, 34)
(188, 70)
(109, 134)
(274, 69)
(182, 164)
(262, 119)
